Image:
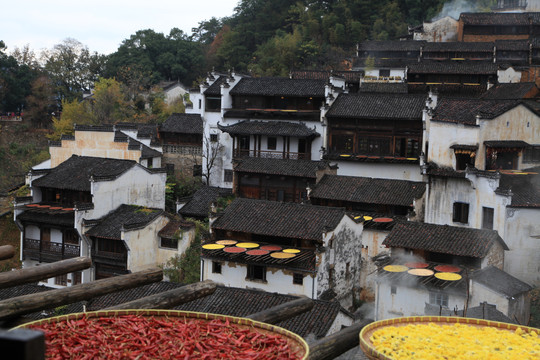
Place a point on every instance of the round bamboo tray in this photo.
(294, 341)
(369, 350)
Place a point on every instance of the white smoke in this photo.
(455, 7)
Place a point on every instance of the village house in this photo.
(108, 208)
(291, 248)
(198, 205)
(269, 118)
(376, 133)
(423, 254)
(180, 137)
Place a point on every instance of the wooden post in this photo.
(337, 343)
(171, 298)
(284, 311)
(44, 271)
(23, 344)
(49, 299)
(6, 252)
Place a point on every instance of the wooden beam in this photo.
(337, 343)
(6, 252)
(44, 271)
(49, 299)
(284, 311)
(171, 298)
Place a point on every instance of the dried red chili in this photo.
(146, 337)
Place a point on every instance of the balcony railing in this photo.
(48, 251)
(271, 154)
(182, 149)
(108, 257)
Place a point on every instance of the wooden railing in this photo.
(271, 154)
(48, 251)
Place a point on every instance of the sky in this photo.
(99, 24)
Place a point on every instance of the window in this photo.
(169, 243)
(256, 272)
(298, 279)
(61, 280)
(487, 218)
(150, 163)
(77, 277)
(216, 267)
(461, 213)
(272, 143)
(228, 175)
(213, 137)
(463, 159)
(532, 154)
(197, 170)
(280, 195)
(393, 290)
(170, 169)
(200, 102)
(438, 299)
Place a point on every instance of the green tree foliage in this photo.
(186, 268)
(158, 57)
(108, 102)
(15, 82)
(72, 68)
(73, 112)
(41, 104)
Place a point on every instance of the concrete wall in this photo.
(522, 234)
(380, 170)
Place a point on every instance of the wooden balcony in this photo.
(110, 258)
(271, 154)
(48, 251)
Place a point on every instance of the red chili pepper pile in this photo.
(145, 337)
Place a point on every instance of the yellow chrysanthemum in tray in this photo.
(428, 340)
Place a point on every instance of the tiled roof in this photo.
(199, 204)
(500, 281)
(453, 67)
(183, 124)
(302, 261)
(285, 167)
(378, 106)
(61, 217)
(368, 190)
(491, 18)
(172, 228)
(510, 91)
(458, 46)
(390, 45)
(349, 76)
(277, 128)
(271, 218)
(454, 240)
(511, 45)
(483, 311)
(506, 143)
(279, 87)
(215, 88)
(102, 128)
(146, 151)
(225, 300)
(124, 217)
(464, 111)
(273, 114)
(75, 172)
(525, 189)
(390, 88)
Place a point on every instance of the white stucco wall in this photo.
(509, 75)
(277, 280)
(136, 186)
(442, 136)
(380, 170)
(371, 246)
(522, 235)
(407, 301)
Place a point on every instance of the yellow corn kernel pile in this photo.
(455, 341)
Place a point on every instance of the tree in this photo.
(15, 82)
(108, 103)
(41, 103)
(212, 150)
(72, 68)
(73, 112)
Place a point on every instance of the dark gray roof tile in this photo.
(279, 87)
(285, 167)
(500, 281)
(183, 124)
(199, 204)
(276, 128)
